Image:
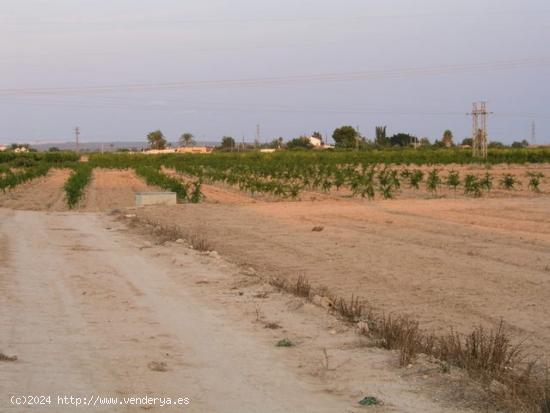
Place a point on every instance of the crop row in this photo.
(31, 158)
(76, 184)
(9, 179)
(183, 191)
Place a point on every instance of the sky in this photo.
(119, 69)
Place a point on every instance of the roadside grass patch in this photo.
(509, 379)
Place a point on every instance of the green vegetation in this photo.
(472, 186)
(508, 181)
(156, 178)
(433, 180)
(76, 184)
(453, 180)
(9, 179)
(534, 180)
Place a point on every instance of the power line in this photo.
(280, 80)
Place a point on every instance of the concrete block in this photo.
(155, 198)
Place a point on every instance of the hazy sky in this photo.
(341, 62)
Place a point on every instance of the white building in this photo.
(318, 143)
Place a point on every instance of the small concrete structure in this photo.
(155, 198)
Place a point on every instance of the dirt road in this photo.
(92, 310)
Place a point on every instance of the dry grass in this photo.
(163, 233)
(489, 357)
(301, 287)
(351, 310)
(198, 241)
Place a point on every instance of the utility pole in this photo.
(77, 138)
(533, 134)
(258, 134)
(479, 129)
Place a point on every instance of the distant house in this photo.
(21, 149)
(3, 148)
(268, 150)
(194, 149)
(159, 151)
(318, 143)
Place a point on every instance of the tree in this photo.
(447, 138)
(401, 139)
(346, 137)
(468, 142)
(54, 149)
(522, 144)
(299, 143)
(276, 143)
(228, 143)
(381, 138)
(187, 139)
(156, 140)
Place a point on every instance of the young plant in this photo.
(472, 186)
(534, 180)
(486, 182)
(453, 180)
(76, 184)
(508, 181)
(387, 183)
(415, 178)
(433, 180)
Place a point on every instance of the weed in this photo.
(199, 242)
(369, 401)
(508, 181)
(285, 342)
(351, 310)
(302, 288)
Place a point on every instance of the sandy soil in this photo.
(447, 262)
(111, 188)
(45, 193)
(90, 309)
